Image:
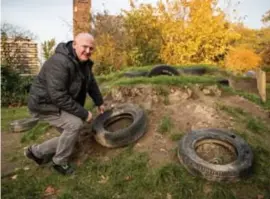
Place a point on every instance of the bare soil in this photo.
(188, 108)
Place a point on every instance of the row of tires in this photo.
(172, 71)
(166, 70)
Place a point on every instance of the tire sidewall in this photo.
(196, 165)
(124, 136)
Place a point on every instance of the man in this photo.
(58, 95)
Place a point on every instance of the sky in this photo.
(53, 18)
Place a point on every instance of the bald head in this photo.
(84, 46)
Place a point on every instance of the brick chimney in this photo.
(81, 16)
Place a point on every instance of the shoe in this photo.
(29, 154)
(64, 169)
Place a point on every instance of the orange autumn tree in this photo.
(181, 31)
(242, 59)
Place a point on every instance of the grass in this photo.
(176, 136)
(254, 124)
(165, 125)
(10, 114)
(167, 80)
(126, 176)
(252, 97)
(234, 111)
(164, 92)
(35, 132)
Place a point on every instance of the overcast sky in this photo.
(52, 18)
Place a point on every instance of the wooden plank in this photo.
(261, 83)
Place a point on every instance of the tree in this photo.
(266, 17)
(242, 59)
(111, 39)
(48, 48)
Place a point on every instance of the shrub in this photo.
(241, 60)
(14, 88)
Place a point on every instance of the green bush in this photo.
(14, 88)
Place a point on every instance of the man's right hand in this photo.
(89, 118)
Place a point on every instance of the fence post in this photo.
(261, 83)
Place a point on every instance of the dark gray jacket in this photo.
(62, 84)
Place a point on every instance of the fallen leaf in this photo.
(163, 150)
(169, 196)
(260, 197)
(128, 178)
(103, 179)
(26, 168)
(14, 177)
(49, 191)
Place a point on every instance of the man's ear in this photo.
(73, 44)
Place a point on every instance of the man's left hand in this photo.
(101, 109)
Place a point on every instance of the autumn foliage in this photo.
(174, 32)
(242, 60)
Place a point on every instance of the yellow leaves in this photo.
(172, 32)
(108, 57)
(242, 59)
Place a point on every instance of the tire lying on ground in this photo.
(22, 125)
(215, 154)
(163, 70)
(194, 70)
(135, 73)
(120, 126)
(224, 82)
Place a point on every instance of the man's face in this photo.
(84, 48)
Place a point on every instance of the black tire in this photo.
(135, 74)
(163, 70)
(229, 172)
(223, 82)
(194, 70)
(22, 125)
(124, 136)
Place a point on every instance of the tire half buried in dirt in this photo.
(120, 126)
(215, 154)
(22, 125)
(194, 70)
(135, 74)
(163, 70)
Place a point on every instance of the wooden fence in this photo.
(261, 83)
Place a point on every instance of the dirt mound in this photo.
(187, 108)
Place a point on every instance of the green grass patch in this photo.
(165, 125)
(163, 91)
(127, 175)
(10, 114)
(176, 136)
(256, 125)
(234, 111)
(250, 96)
(167, 80)
(35, 132)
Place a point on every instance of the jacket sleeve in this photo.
(93, 90)
(57, 78)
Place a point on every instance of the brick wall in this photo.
(81, 16)
(24, 51)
